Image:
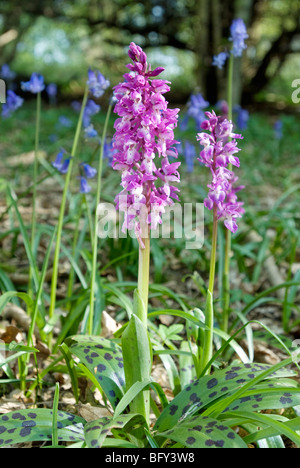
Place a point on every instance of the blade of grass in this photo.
(54, 420)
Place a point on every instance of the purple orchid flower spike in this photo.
(217, 155)
(144, 139)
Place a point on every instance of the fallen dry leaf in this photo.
(91, 413)
(109, 325)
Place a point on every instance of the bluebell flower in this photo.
(89, 171)
(52, 90)
(195, 110)
(278, 129)
(64, 121)
(90, 131)
(91, 109)
(6, 73)
(13, 102)
(183, 125)
(61, 164)
(65, 166)
(242, 117)
(35, 85)
(219, 60)
(84, 186)
(109, 152)
(97, 83)
(190, 155)
(238, 32)
(76, 106)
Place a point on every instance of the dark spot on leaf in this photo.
(198, 428)
(101, 367)
(194, 397)
(231, 375)
(18, 416)
(28, 423)
(222, 428)
(212, 383)
(209, 443)
(190, 441)
(25, 431)
(108, 356)
(185, 409)
(173, 409)
(245, 399)
(285, 400)
(2, 429)
(219, 443)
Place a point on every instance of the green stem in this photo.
(226, 283)
(230, 86)
(95, 237)
(74, 247)
(143, 279)
(207, 350)
(35, 177)
(61, 214)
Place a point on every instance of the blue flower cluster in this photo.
(196, 106)
(238, 35)
(13, 101)
(97, 85)
(62, 163)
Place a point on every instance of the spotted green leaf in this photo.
(97, 431)
(103, 358)
(204, 432)
(273, 396)
(36, 425)
(206, 390)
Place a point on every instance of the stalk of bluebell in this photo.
(95, 237)
(35, 86)
(61, 215)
